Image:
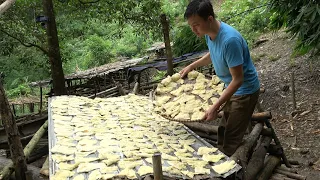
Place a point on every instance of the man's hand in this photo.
(211, 114)
(184, 72)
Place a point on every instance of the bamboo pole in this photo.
(45, 168)
(7, 170)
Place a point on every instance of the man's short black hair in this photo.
(202, 8)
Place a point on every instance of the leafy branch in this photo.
(25, 44)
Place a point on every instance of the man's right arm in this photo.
(205, 60)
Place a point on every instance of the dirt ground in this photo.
(298, 129)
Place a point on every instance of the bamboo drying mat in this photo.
(199, 143)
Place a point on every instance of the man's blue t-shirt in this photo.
(229, 49)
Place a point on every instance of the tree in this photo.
(143, 14)
(302, 20)
(54, 50)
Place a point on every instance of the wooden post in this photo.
(293, 91)
(12, 132)
(157, 167)
(166, 35)
(40, 101)
(105, 81)
(31, 107)
(14, 110)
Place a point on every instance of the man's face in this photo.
(198, 25)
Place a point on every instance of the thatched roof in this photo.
(96, 71)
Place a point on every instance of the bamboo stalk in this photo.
(7, 170)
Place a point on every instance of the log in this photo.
(207, 128)
(291, 175)
(242, 153)
(261, 116)
(12, 133)
(257, 160)
(283, 168)
(266, 132)
(45, 168)
(7, 170)
(157, 167)
(277, 176)
(269, 166)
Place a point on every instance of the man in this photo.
(229, 53)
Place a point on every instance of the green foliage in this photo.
(159, 75)
(249, 17)
(185, 41)
(302, 20)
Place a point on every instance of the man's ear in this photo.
(211, 18)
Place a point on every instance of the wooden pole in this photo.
(166, 35)
(40, 101)
(157, 167)
(136, 88)
(7, 170)
(12, 132)
(293, 91)
(207, 128)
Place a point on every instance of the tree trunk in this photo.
(11, 128)
(54, 50)
(166, 34)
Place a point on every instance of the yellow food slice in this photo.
(94, 175)
(206, 150)
(224, 167)
(175, 77)
(129, 173)
(144, 170)
(62, 174)
(201, 170)
(79, 177)
(212, 158)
